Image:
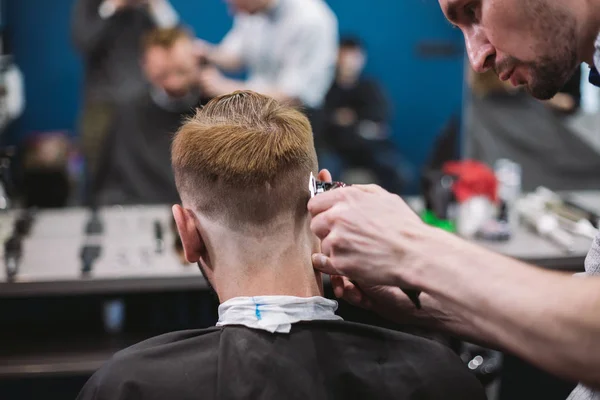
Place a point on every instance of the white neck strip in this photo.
(275, 313)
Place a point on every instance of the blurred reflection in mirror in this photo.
(135, 167)
(107, 35)
(543, 137)
(45, 178)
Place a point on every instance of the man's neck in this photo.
(347, 81)
(286, 274)
(246, 267)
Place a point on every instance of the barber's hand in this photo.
(202, 49)
(214, 83)
(369, 235)
(344, 117)
(390, 302)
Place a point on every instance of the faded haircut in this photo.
(245, 159)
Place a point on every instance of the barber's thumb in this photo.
(323, 263)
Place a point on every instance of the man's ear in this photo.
(190, 238)
(324, 176)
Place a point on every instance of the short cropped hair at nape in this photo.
(245, 158)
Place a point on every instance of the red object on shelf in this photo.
(473, 178)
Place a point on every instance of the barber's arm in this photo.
(163, 14)
(309, 67)
(92, 23)
(93, 20)
(548, 318)
(227, 55)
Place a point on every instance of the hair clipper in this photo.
(316, 187)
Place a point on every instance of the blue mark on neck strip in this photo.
(257, 311)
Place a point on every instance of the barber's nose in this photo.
(481, 52)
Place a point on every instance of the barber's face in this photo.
(351, 62)
(174, 70)
(528, 42)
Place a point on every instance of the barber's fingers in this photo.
(343, 288)
(371, 188)
(325, 201)
(323, 264)
(201, 48)
(321, 225)
(328, 243)
(337, 284)
(352, 293)
(324, 175)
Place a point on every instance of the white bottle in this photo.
(508, 173)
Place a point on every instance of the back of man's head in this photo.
(244, 160)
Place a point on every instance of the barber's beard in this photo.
(548, 77)
(557, 31)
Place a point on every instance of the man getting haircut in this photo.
(242, 166)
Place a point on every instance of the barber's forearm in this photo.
(163, 13)
(435, 315)
(280, 96)
(548, 318)
(226, 86)
(273, 92)
(224, 60)
(89, 31)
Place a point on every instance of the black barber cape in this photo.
(316, 360)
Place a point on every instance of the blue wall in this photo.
(424, 91)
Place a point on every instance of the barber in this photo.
(288, 47)
(108, 36)
(373, 243)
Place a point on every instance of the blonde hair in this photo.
(245, 158)
(165, 37)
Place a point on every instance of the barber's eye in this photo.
(470, 11)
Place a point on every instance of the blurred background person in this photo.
(45, 181)
(288, 48)
(356, 124)
(12, 92)
(135, 167)
(108, 34)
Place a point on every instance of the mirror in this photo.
(555, 141)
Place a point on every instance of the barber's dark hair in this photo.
(352, 42)
(166, 37)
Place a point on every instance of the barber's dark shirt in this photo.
(365, 98)
(136, 162)
(110, 49)
(316, 360)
